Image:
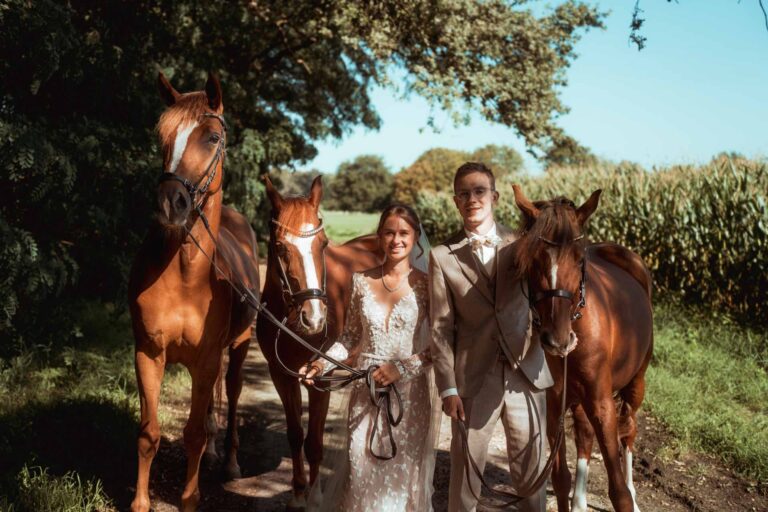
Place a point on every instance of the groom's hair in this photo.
(471, 167)
(406, 213)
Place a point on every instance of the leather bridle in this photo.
(560, 293)
(296, 299)
(194, 189)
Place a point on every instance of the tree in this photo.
(568, 153)
(363, 185)
(78, 104)
(434, 169)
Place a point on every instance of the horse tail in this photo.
(626, 420)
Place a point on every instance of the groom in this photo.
(486, 366)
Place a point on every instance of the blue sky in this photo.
(699, 87)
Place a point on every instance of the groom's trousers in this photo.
(506, 393)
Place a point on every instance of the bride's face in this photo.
(397, 238)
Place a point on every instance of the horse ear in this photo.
(274, 196)
(316, 191)
(589, 207)
(213, 92)
(525, 205)
(167, 92)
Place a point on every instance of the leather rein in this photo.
(381, 397)
(511, 498)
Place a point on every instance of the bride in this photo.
(386, 325)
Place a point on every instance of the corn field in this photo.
(703, 231)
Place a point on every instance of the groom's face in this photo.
(475, 198)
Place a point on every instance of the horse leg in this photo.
(210, 457)
(318, 411)
(203, 379)
(290, 395)
(632, 397)
(561, 475)
(234, 382)
(602, 414)
(149, 377)
(584, 435)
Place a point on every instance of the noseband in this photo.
(296, 299)
(194, 189)
(559, 293)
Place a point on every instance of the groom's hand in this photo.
(454, 407)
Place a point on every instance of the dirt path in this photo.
(664, 482)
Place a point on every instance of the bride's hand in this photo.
(309, 370)
(386, 374)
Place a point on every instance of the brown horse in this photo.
(594, 301)
(182, 309)
(309, 283)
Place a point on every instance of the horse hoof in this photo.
(232, 472)
(210, 461)
(296, 504)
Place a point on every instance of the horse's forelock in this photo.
(295, 212)
(554, 223)
(187, 109)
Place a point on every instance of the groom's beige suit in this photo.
(482, 351)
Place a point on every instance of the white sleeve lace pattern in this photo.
(421, 360)
(352, 331)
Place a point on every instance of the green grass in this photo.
(40, 492)
(73, 411)
(707, 385)
(342, 226)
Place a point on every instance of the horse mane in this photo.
(187, 109)
(294, 213)
(555, 223)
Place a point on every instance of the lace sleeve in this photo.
(351, 333)
(421, 360)
(416, 364)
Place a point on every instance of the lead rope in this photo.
(380, 396)
(511, 498)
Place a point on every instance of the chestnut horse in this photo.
(592, 302)
(182, 310)
(309, 283)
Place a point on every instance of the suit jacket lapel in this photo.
(502, 263)
(470, 267)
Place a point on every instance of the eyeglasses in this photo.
(478, 192)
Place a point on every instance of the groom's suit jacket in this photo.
(476, 316)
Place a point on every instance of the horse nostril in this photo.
(546, 338)
(180, 202)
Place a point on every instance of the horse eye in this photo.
(214, 138)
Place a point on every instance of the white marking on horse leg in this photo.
(628, 477)
(298, 502)
(304, 246)
(180, 144)
(579, 501)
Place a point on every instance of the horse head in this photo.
(549, 257)
(297, 245)
(193, 137)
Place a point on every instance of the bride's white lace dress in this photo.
(404, 483)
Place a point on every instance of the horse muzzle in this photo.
(173, 204)
(555, 347)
